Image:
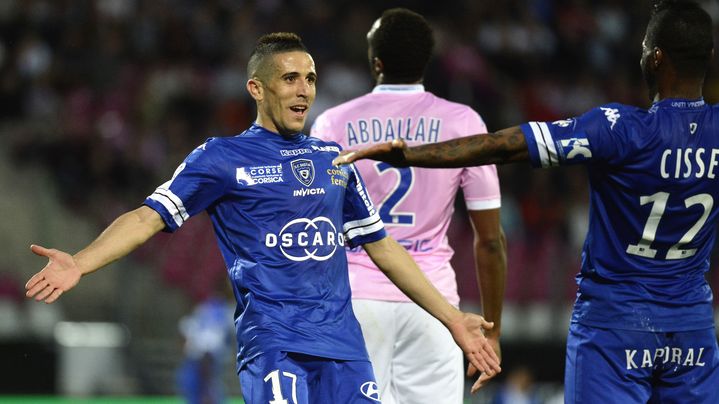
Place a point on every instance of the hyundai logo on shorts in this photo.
(370, 390)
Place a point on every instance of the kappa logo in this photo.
(563, 123)
(612, 115)
(304, 171)
(578, 147)
(294, 152)
(370, 390)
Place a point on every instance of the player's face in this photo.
(288, 93)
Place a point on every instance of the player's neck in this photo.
(686, 89)
(266, 124)
(381, 79)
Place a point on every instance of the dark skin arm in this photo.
(490, 259)
(505, 146)
(490, 255)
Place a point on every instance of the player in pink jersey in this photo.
(414, 357)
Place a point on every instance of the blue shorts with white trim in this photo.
(619, 366)
(294, 378)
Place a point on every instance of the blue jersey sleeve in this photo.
(198, 182)
(362, 223)
(600, 135)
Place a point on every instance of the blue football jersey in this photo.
(653, 190)
(282, 214)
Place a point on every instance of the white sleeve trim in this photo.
(363, 227)
(172, 203)
(362, 222)
(545, 144)
(484, 204)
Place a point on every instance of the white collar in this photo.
(399, 88)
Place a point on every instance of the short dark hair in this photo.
(404, 44)
(270, 44)
(683, 30)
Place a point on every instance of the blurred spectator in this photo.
(11, 299)
(518, 388)
(10, 288)
(208, 334)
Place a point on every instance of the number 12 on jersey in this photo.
(659, 204)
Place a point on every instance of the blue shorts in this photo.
(618, 366)
(305, 379)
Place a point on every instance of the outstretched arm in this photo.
(63, 271)
(490, 260)
(505, 146)
(467, 329)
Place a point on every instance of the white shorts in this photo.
(414, 357)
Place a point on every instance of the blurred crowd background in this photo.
(100, 100)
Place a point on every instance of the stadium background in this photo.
(101, 99)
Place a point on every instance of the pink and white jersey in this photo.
(416, 204)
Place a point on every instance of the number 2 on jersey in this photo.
(404, 184)
(659, 204)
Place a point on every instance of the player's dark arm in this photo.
(505, 146)
(63, 271)
(490, 261)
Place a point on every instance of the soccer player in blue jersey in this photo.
(282, 214)
(642, 328)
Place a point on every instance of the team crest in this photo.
(304, 171)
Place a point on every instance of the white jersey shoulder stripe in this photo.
(169, 206)
(172, 203)
(360, 223)
(364, 230)
(175, 199)
(545, 145)
(551, 148)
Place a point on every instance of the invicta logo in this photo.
(308, 191)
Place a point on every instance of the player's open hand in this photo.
(484, 377)
(59, 275)
(389, 152)
(468, 333)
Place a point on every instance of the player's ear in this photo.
(254, 87)
(377, 66)
(658, 56)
